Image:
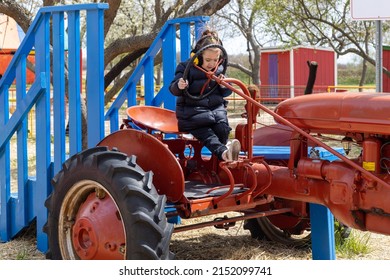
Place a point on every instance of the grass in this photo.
(354, 245)
(22, 255)
(349, 243)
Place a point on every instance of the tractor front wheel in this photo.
(105, 206)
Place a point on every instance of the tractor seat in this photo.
(154, 118)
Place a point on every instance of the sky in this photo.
(235, 45)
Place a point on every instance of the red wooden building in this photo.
(284, 72)
(386, 64)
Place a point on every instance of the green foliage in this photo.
(349, 74)
(238, 74)
(22, 255)
(351, 245)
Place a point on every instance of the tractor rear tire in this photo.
(263, 229)
(113, 178)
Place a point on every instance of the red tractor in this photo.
(115, 201)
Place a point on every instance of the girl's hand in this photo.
(221, 76)
(182, 84)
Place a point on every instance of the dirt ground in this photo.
(210, 243)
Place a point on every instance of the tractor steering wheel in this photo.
(223, 61)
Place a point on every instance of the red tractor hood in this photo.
(339, 112)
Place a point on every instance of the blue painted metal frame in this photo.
(59, 90)
(74, 82)
(19, 209)
(42, 112)
(322, 233)
(95, 74)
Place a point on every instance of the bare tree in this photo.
(138, 22)
(124, 49)
(301, 22)
(324, 23)
(134, 46)
(247, 16)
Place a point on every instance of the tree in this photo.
(323, 23)
(129, 28)
(247, 17)
(134, 46)
(301, 22)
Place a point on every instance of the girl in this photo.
(206, 119)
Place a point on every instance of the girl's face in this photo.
(210, 58)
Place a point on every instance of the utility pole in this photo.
(379, 57)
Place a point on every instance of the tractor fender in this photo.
(152, 155)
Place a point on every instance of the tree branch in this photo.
(16, 11)
(240, 67)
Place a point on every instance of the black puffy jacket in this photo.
(192, 113)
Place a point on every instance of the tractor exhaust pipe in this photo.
(312, 76)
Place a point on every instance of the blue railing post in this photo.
(59, 89)
(149, 81)
(169, 65)
(322, 233)
(43, 149)
(185, 41)
(75, 141)
(20, 214)
(5, 169)
(95, 74)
